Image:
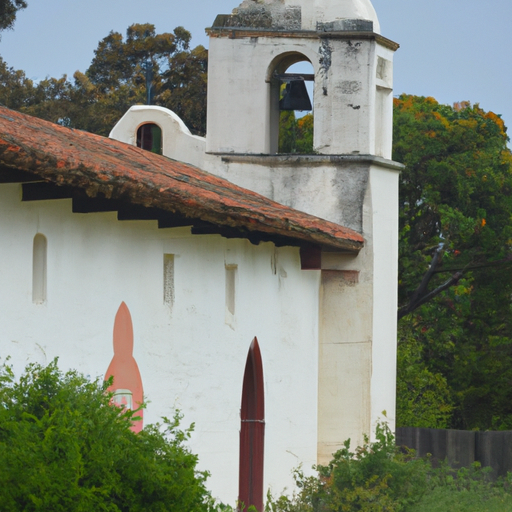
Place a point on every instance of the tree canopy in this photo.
(8, 11)
(116, 79)
(64, 447)
(455, 237)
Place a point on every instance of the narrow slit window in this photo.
(39, 269)
(169, 279)
(230, 288)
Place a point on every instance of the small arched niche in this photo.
(149, 138)
(291, 78)
(39, 264)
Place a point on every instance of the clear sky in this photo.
(453, 50)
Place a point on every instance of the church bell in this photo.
(295, 96)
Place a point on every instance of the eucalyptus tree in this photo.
(8, 11)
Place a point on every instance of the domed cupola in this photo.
(310, 14)
(328, 11)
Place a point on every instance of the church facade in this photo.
(251, 290)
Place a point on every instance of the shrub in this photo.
(376, 477)
(380, 477)
(64, 448)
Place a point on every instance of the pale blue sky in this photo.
(452, 50)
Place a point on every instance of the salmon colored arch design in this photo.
(127, 385)
(252, 432)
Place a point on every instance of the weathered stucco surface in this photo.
(189, 357)
(334, 190)
(352, 96)
(301, 14)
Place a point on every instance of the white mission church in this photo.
(253, 291)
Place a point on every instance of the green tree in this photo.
(455, 265)
(16, 90)
(424, 398)
(295, 135)
(8, 11)
(287, 132)
(455, 277)
(64, 447)
(305, 134)
(116, 79)
(184, 87)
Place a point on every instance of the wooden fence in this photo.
(460, 447)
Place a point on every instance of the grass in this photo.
(444, 499)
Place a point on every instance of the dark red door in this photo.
(252, 432)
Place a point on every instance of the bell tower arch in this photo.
(278, 79)
(352, 73)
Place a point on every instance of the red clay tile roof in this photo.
(103, 167)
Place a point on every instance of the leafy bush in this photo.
(376, 477)
(64, 448)
(380, 477)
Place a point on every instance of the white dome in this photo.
(325, 11)
(311, 11)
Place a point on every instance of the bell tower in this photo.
(349, 179)
(353, 74)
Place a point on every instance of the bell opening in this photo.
(296, 118)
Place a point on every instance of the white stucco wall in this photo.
(240, 93)
(177, 141)
(189, 357)
(357, 311)
(383, 216)
(350, 181)
(352, 93)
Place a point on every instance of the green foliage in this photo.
(456, 192)
(8, 11)
(287, 131)
(380, 477)
(466, 490)
(17, 90)
(184, 87)
(65, 448)
(375, 477)
(304, 143)
(423, 397)
(456, 188)
(295, 135)
(116, 80)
